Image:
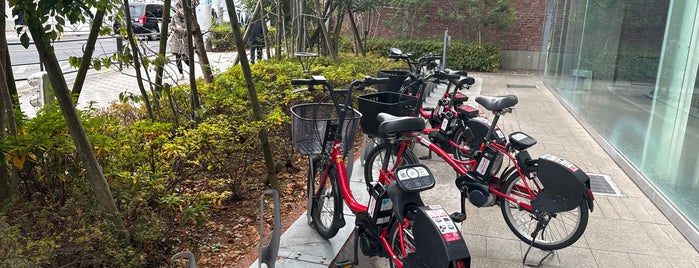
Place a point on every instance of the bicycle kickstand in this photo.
(426, 157)
(540, 226)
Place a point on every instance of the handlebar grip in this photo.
(302, 82)
(369, 81)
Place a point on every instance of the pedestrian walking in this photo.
(256, 40)
(177, 40)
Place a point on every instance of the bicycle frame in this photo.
(463, 167)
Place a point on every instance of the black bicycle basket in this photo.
(384, 102)
(312, 122)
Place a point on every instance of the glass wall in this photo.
(629, 69)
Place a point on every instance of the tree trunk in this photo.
(136, 60)
(257, 111)
(92, 167)
(280, 28)
(10, 76)
(87, 55)
(338, 28)
(162, 46)
(9, 178)
(301, 41)
(248, 28)
(355, 32)
(194, 94)
(324, 30)
(196, 33)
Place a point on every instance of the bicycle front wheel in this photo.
(326, 203)
(563, 229)
(375, 159)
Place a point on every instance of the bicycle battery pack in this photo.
(437, 240)
(489, 162)
(565, 185)
(380, 206)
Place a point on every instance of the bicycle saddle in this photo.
(497, 103)
(392, 124)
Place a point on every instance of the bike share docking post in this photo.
(268, 254)
(447, 40)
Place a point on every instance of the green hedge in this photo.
(222, 38)
(470, 56)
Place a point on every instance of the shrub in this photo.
(222, 38)
(470, 56)
(164, 177)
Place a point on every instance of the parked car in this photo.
(145, 20)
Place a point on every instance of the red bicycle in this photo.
(396, 224)
(544, 201)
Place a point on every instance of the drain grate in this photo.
(521, 86)
(603, 184)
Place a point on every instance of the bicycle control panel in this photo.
(414, 178)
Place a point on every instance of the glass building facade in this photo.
(628, 68)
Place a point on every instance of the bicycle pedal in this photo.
(457, 217)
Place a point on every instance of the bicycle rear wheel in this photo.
(375, 159)
(326, 202)
(395, 241)
(563, 229)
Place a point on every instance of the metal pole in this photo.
(444, 50)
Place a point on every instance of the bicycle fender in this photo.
(565, 185)
(438, 241)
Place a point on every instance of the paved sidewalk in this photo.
(103, 87)
(624, 230)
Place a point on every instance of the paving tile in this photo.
(494, 263)
(476, 245)
(650, 261)
(683, 263)
(618, 204)
(605, 258)
(575, 256)
(606, 208)
(503, 249)
(619, 235)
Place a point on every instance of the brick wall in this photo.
(525, 34)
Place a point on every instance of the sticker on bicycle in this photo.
(572, 167)
(444, 125)
(372, 205)
(441, 219)
(500, 134)
(483, 166)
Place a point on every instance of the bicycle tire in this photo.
(408, 238)
(564, 228)
(461, 139)
(326, 210)
(374, 161)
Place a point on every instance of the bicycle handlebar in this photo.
(319, 80)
